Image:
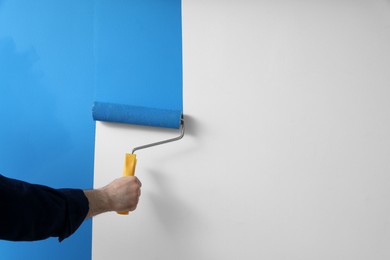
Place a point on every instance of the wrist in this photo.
(98, 202)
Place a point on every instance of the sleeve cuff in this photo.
(77, 210)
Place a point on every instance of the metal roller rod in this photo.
(164, 141)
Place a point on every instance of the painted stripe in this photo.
(139, 53)
(138, 47)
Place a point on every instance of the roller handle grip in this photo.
(128, 170)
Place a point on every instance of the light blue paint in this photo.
(138, 52)
(46, 90)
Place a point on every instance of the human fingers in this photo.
(138, 181)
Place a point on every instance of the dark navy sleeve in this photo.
(35, 212)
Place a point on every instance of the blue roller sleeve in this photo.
(136, 115)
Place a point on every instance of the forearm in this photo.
(34, 212)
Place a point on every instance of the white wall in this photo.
(287, 144)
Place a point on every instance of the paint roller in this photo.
(136, 115)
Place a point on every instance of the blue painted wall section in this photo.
(46, 95)
(56, 59)
(138, 47)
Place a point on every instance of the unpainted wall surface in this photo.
(287, 144)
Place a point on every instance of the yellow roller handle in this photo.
(128, 170)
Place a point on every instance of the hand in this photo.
(120, 195)
(123, 193)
